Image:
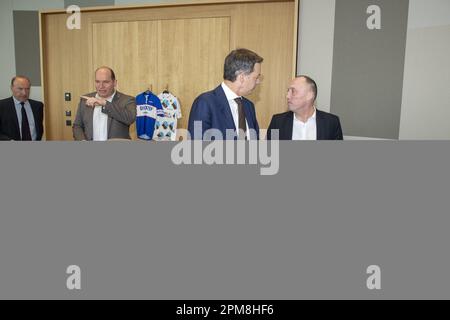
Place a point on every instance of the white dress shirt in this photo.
(305, 130)
(100, 122)
(234, 107)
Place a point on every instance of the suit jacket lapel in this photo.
(251, 120)
(12, 107)
(320, 126)
(286, 129)
(116, 97)
(225, 108)
(248, 115)
(89, 122)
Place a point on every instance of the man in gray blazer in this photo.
(106, 113)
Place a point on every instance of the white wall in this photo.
(7, 53)
(316, 39)
(428, 13)
(426, 90)
(426, 93)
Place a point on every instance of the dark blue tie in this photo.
(26, 135)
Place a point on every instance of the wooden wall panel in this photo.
(65, 57)
(131, 49)
(163, 54)
(191, 57)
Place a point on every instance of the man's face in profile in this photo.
(299, 95)
(250, 81)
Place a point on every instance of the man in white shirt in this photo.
(21, 118)
(304, 121)
(224, 109)
(106, 113)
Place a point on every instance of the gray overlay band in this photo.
(141, 227)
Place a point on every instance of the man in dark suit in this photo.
(303, 121)
(20, 117)
(104, 114)
(224, 113)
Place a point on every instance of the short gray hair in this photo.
(240, 61)
(311, 83)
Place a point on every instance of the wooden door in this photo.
(182, 55)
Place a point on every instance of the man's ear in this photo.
(240, 77)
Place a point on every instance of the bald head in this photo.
(302, 93)
(105, 82)
(107, 70)
(20, 78)
(20, 88)
(311, 83)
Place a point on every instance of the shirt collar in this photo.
(313, 117)
(17, 101)
(110, 99)
(228, 92)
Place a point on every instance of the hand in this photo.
(92, 102)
